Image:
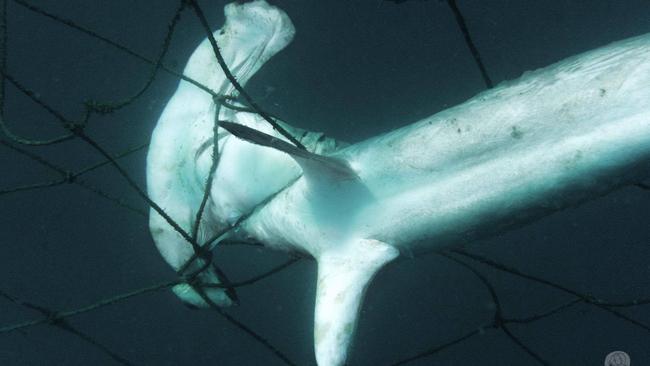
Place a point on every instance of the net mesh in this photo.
(64, 161)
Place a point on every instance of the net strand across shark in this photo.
(552, 139)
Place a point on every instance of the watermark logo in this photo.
(617, 358)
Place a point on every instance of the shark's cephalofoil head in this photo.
(176, 163)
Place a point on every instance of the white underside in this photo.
(554, 138)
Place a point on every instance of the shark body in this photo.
(555, 138)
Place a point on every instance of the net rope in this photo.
(76, 129)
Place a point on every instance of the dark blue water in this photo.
(355, 69)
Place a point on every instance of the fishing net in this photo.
(83, 85)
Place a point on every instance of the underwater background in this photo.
(355, 69)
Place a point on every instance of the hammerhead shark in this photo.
(554, 138)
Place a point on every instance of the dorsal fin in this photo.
(311, 164)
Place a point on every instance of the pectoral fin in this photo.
(343, 276)
(314, 165)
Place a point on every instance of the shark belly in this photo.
(555, 138)
(509, 191)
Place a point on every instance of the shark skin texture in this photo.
(552, 139)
